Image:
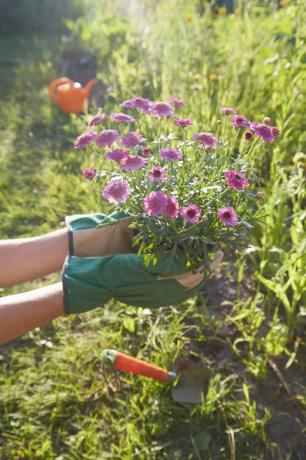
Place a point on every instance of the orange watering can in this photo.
(70, 95)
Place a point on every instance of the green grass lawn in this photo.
(56, 400)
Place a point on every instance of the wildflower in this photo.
(155, 203)
(161, 109)
(146, 150)
(96, 119)
(137, 102)
(228, 110)
(263, 131)
(213, 77)
(117, 155)
(157, 174)
(227, 216)
(222, 10)
(89, 173)
(248, 135)
(267, 120)
(238, 121)
(85, 139)
(177, 102)
(236, 179)
(170, 154)
(207, 139)
(172, 208)
(132, 162)
(191, 213)
(132, 139)
(188, 18)
(183, 122)
(107, 138)
(122, 118)
(117, 190)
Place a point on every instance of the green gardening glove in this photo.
(101, 266)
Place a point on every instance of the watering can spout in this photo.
(88, 87)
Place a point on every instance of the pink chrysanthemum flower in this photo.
(96, 119)
(161, 109)
(117, 155)
(146, 151)
(228, 111)
(238, 121)
(177, 102)
(132, 162)
(155, 203)
(117, 190)
(208, 139)
(85, 139)
(191, 213)
(137, 102)
(170, 154)
(157, 174)
(236, 179)
(132, 139)
(122, 118)
(227, 216)
(172, 208)
(89, 173)
(107, 138)
(263, 131)
(183, 122)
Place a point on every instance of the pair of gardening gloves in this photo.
(103, 265)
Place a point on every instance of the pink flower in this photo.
(122, 118)
(183, 122)
(117, 190)
(96, 119)
(157, 174)
(146, 151)
(263, 131)
(155, 203)
(85, 139)
(177, 102)
(132, 139)
(89, 173)
(248, 135)
(191, 213)
(236, 179)
(170, 154)
(117, 155)
(227, 216)
(137, 102)
(132, 162)
(228, 110)
(161, 109)
(172, 208)
(107, 138)
(238, 121)
(208, 139)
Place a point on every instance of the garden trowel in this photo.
(188, 378)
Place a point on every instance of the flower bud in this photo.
(248, 135)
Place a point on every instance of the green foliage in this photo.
(56, 400)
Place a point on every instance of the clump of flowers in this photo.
(186, 189)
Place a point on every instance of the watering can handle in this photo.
(55, 83)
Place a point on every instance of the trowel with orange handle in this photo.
(189, 378)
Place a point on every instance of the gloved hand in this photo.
(102, 265)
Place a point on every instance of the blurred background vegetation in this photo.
(56, 402)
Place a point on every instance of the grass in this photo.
(56, 401)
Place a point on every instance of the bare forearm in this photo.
(21, 313)
(26, 259)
